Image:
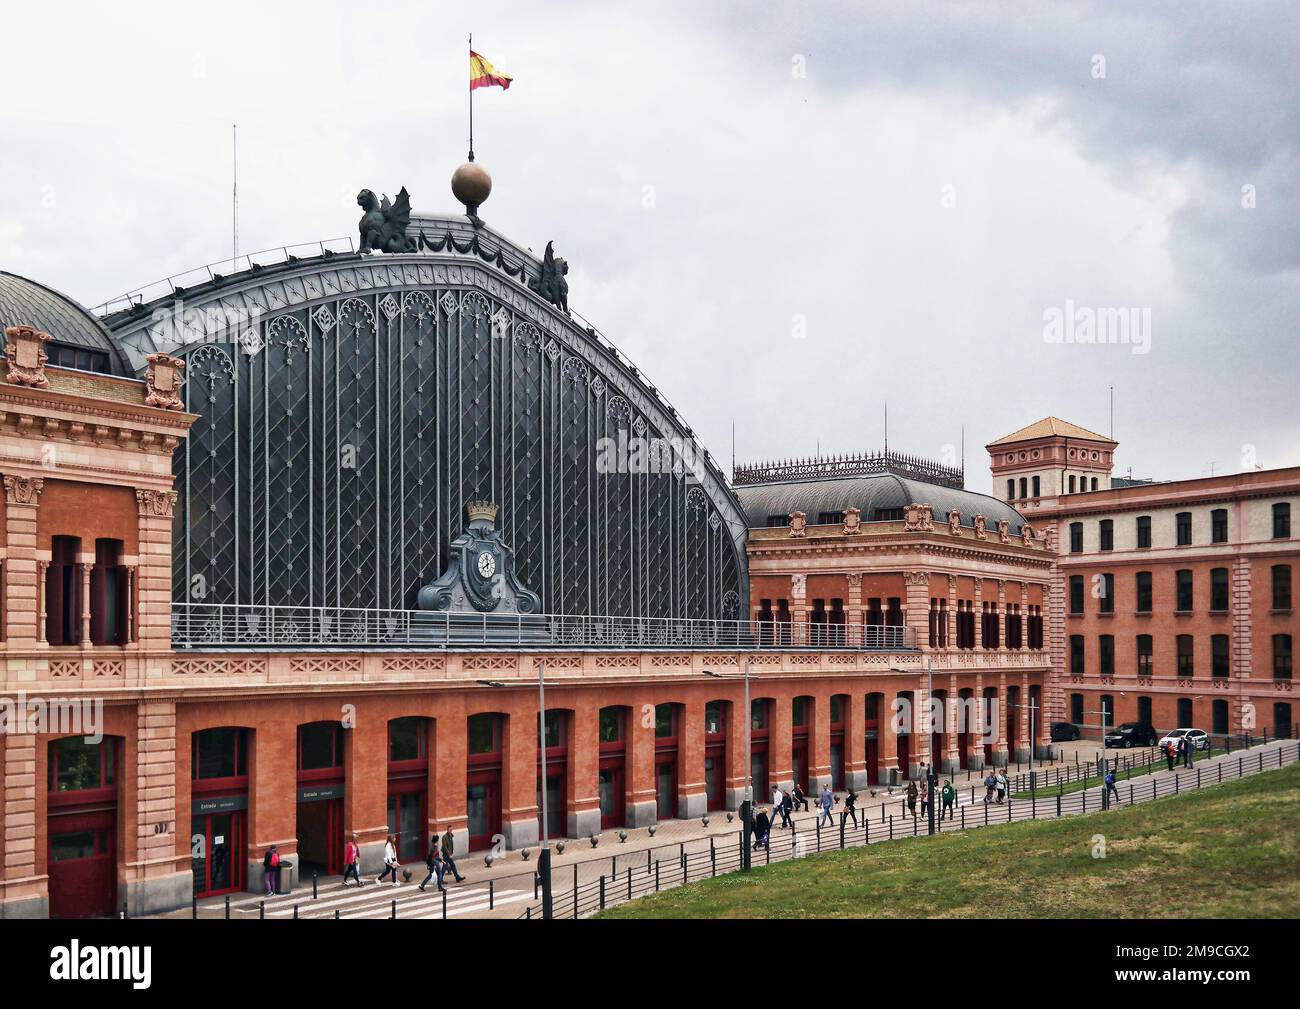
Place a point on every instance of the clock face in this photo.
(487, 564)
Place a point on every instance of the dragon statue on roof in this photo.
(383, 225)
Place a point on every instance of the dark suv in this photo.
(1132, 734)
(1063, 732)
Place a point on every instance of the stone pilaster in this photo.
(154, 582)
(952, 758)
(155, 877)
(819, 746)
(23, 894)
(855, 746)
(22, 575)
(692, 795)
(583, 784)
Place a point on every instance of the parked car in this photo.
(1199, 738)
(1132, 734)
(1063, 732)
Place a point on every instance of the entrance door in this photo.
(556, 812)
(715, 780)
(799, 755)
(406, 821)
(873, 757)
(82, 865)
(320, 834)
(837, 766)
(904, 754)
(217, 844)
(666, 789)
(613, 798)
(1282, 720)
(758, 776)
(483, 805)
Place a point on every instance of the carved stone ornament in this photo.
(852, 521)
(1004, 531)
(23, 489)
(163, 381)
(798, 586)
(855, 581)
(1027, 534)
(954, 522)
(1049, 537)
(981, 528)
(156, 503)
(915, 578)
(919, 519)
(798, 523)
(480, 575)
(25, 354)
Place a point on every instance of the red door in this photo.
(962, 740)
(82, 865)
(904, 753)
(218, 852)
(715, 777)
(613, 795)
(873, 758)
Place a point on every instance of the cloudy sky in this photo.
(785, 213)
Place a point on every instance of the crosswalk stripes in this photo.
(379, 905)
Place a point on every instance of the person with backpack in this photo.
(949, 800)
(271, 869)
(1110, 784)
(390, 860)
(850, 805)
(449, 857)
(351, 861)
(434, 863)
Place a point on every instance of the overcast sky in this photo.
(783, 213)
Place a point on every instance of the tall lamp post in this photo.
(747, 804)
(1105, 799)
(544, 855)
(932, 777)
(1032, 708)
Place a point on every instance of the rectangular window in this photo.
(1219, 525)
(1184, 523)
(1281, 521)
(1106, 533)
(1281, 586)
(1037, 486)
(1011, 490)
(1076, 654)
(1219, 655)
(1107, 602)
(1144, 654)
(1281, 656)
(1183, 584)
(1185, 655)
(406, 739)
(1106, 654)
(1144, 530)
(611, 724)
(1076, 537)
(1024, 487)
(1072, 483)
(1219, 590)
(1076, 593)
(1144, 591)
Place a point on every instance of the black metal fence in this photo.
(690, 861)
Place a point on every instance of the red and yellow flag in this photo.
(483, 74)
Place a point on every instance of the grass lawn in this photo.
(1121, 776)
(1225, 851)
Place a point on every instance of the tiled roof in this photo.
(1050, 427)
(24, 302)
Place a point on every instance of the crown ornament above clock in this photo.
(480, 575)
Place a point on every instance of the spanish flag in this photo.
(483, 74)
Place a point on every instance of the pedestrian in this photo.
(925, 797)
(787, 807)
(911, 798)
(990, 783)
(390, 860)
(1001, 782)
(949, 800)
(761, 827)
(1187, 748)
(851, 805)
(1169, 753)
(270, 869)
(777, 799)
(434, 863)
(1110, 785)
(449, 857)
(351, 861)
(828, 800)
(799, 798)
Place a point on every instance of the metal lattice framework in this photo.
(354, 407)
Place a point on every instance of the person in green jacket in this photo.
(949, 799)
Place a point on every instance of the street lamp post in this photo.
(932, 777)
(1032, 708)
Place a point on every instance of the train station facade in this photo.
(297, 541)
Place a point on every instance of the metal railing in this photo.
(220, 625)
(687, 862)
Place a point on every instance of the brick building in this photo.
(1172, 601)
(298, 542)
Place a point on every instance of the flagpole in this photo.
(471, 101)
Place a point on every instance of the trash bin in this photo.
(284, 878)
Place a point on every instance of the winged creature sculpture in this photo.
(383, 225)
(551, 284)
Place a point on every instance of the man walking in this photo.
(828, 800)
(434, 863)
(850, 806)
(1187, 748)
(448, 857)
(1110, 785)
(351, 861)
(787, 807)
(949, 800)
(777, 803)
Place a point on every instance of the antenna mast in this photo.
(234, 197)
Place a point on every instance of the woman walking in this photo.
(390, 860)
